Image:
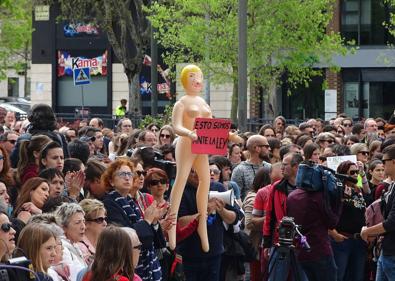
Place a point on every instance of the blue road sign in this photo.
(81, 76)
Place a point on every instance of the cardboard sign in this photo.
(334, 162)
(212, 136)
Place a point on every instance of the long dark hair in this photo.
(113, 255)
(261, 179)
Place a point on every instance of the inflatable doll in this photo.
(189, 107)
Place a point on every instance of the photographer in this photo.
(275, 210)
(307, 208)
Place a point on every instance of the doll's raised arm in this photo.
(234, 137)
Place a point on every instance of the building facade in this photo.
(365, 85)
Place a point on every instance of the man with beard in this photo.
(244, 173)
(371, 129)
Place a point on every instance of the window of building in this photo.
(13, 87)
(362, 21)
(304, 102)
(91, 95)
(369, 92)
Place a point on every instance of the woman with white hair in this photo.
(71, 217)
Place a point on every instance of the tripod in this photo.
(282, 262)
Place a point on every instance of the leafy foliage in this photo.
(15, 36)
(160, 120)
(283, 36)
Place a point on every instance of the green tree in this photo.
(127, 29)
(284, 36)
(15, 36)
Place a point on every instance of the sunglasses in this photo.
(215, 171)
(125, 174)
(141, 173)
(347, 125)
(366, 153)
(385, 160)
(98, 220)
(156, 182)
(6, 227)
(353, 172)
(12, 141)
(164, 136)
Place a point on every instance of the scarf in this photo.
(149, 267)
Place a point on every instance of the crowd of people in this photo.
(91, 203)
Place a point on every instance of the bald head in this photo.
(256, 141)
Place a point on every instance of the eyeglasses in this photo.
(98, 220)
(138, 247)
(12, 141)
(156, 182)
(164, 136)
(6, 227)
(353, 172)
(141, 173)
(366, 153)
(215, 171)
(125, 174)
(1, 157)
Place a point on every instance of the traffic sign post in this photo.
(81, 77)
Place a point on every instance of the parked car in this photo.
(19, 113)
(11, 99)
(25, 106)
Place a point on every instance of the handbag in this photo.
(239, 245)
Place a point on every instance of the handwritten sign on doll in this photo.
(212, 136)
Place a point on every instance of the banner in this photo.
(66, 64)
(212, 136)
(80, 29)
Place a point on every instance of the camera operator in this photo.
(274, 212)
(307, 208)
(386, 262)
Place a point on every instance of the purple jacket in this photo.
(307, 208)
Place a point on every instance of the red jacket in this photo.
(276, 209)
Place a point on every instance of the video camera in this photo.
(154, 158)
(288, 231)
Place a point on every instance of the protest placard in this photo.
(212, 136)
(334, 162)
